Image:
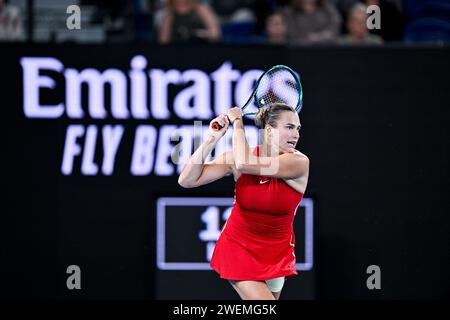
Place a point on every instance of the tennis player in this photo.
(255, 250)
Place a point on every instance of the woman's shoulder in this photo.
(303, 159)
(301, 154)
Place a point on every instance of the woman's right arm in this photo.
(196, 172)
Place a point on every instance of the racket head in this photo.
(279, 84)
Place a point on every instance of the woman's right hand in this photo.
(223, 122)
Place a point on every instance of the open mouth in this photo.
(292, 143)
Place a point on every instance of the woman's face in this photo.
(276, 27)
(287, 130)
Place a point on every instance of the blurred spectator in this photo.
(358, 33)
(344, 6)
(11, 25)
(312, 21)
(188, 21)
(276, 29)
(392, 20)
(234, 10)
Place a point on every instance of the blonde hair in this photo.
(271, 114)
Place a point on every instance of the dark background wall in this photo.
(374, 125)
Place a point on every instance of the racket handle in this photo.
(216, 126)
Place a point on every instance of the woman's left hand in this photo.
(234, 113)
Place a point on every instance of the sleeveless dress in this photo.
(257, 241)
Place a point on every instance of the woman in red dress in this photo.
(255, 250)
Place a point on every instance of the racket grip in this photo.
(216, 126)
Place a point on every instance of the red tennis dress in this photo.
(257, 241)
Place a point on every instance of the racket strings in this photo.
(278, 86)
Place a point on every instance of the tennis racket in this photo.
(279, 84)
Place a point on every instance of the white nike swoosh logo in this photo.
(263, 181)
